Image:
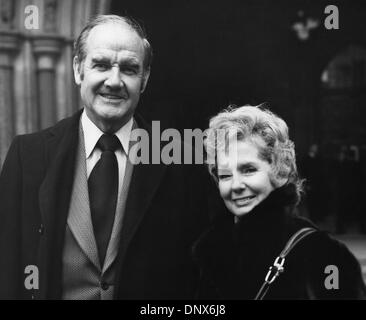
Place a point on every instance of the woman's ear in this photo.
(281, 182)
(278, 181)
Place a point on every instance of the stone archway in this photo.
(343, 97)
(36, 81)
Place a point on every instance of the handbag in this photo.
(278, 266)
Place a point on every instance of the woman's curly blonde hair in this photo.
(263, 128)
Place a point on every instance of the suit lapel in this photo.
(120, 210)
(79, 218)
(54, 199)
(144, 183)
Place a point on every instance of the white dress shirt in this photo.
(91, 136)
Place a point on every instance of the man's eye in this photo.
(129, 71)
(101, 66)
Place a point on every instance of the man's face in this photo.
(111, 77)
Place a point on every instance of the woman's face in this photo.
(244, 178)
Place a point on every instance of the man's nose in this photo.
(114, 80)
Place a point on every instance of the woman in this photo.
(252, 159)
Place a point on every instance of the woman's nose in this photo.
(237, 183)
(114, 80)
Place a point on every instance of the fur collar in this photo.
(255, 240)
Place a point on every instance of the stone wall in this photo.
(36, 79)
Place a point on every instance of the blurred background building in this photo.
(36, 79)
(209, 54)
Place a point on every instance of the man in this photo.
(78, 219)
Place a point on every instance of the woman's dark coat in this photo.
(234, 258)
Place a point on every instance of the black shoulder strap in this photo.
(279, 264)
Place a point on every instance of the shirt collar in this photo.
(92, 134)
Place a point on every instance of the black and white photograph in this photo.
(184, 155)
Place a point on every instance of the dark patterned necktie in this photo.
(103, 192)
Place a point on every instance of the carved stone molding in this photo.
(7, 13)
(9, 41)
(50, 15)
(9, 44)
(50, 44)
(46, 48)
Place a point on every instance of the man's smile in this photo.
(112, 96)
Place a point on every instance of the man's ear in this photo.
(77, 70)
(145, 79)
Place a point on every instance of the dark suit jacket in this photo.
(164, 215)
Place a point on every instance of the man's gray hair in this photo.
(80, 42)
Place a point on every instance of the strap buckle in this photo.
(275, 270)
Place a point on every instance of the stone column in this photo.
(8, 49)
(47, 50)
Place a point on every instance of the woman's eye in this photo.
(224, 176)
(249, 170)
